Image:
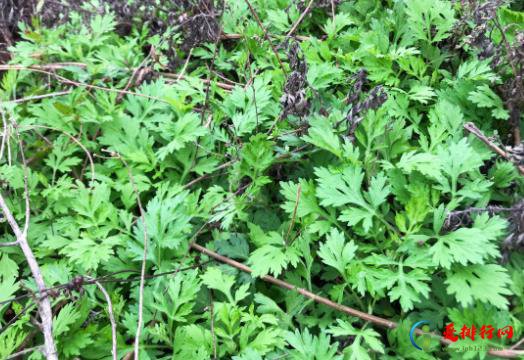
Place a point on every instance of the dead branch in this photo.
(111, 319)
(137, 74)
(25, 351)
(7, 244)
(517, 344)
(240, 36)
(180, 76)
(257, 18)
(5, 134)
(44, 69)
(39, 97)
(64, 80)
(508, 353)
(299, 20)
(44, 305)
(53, 66)
(471, 128)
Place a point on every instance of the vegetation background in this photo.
(162, 163)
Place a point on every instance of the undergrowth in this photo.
(321, 143)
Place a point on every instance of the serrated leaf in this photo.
(321, 134)
(336, 253)
(425, 163)
(468, 284)
(468, 245)
(214, 278)
(67, 316)
(365, 339)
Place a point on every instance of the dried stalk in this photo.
(518, 344)
(471, 128)
(39, 97)
(180, 76)
(44, 305)
(259, 22)
(53, 66)
(5, 134)
(111, 319)
(302, 16)
(64, 80)
(24, 352)
(240, 36)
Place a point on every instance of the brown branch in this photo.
(44, 305)
(138, 73)
(471, 128)
(65, 80)
(26, 182)
(240, 36)
(43, 69)
(371, 318)
(257, 18)
(176, 77)
(508, 353)
(299, 20)
(205, 176)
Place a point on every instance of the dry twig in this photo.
(25, 352)
(471, 128)
(39, 97)
(176, 77)
(517, 344)
(240, 36)
(259, 22)
(64, 80)
(44, 305)
(299, 20)
(111, 319)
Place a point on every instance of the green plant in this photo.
(358, 185)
